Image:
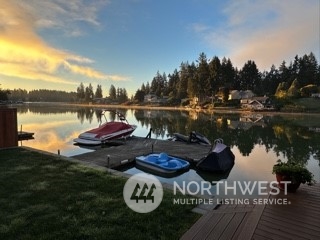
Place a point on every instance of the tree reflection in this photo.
(296, 137)
(276, 133)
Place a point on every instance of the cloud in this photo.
(24, 54)
(267, 32)
(47, 139)
(64, 15)
(199, 28)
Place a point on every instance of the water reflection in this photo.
(256, 139)
(285, 135)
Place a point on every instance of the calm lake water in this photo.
(257, 140)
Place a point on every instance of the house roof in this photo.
(260, 99)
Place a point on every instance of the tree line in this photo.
(83, 94)
(212, 77)
(205, 78)
(86, 94)
(40, 95)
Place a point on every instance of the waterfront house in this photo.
(152, 98)
(256, 103)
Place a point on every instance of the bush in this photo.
(296, 172)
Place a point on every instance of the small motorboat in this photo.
(106, 132)
(162, 163)
(194, 137)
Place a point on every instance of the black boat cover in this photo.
(221, 159)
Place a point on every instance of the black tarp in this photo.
(221, 159)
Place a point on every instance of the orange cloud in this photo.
(24, 54)
(47, 139)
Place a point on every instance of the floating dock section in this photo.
(25, 135)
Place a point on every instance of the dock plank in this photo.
(232, 228)
(297, 220)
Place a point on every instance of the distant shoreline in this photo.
(168, 108)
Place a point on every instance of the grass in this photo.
(42, 197)
(304, 105)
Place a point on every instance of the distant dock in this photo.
(115, 156)
(25, 135)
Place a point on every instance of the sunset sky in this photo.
(57, 44)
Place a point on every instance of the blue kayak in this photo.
(162, 163)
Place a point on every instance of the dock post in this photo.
(152, 148)
(108, 161)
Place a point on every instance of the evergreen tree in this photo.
(158, 84)
(147, 91)
(164, 85)
(124, 96)
(143, 87)
(193, 86)
(89, 93)
(98, 93)
(173, 84)
(119, 93)
(271, 81)
(285, 73)
(203, 77)
(112, 93)
(228, 75)
(307, 72)
(81, 92)
(182, 85)
(4, 95)
(250, 77)
(139, 96)
(215, 74)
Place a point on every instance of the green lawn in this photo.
(303, 105)
(311, 104)
(43, 197)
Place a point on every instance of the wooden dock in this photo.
(300, 219)
(25, 135)
(115, 156)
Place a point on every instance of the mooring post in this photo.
(152, 148)
(149, 134)
(108, 161)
